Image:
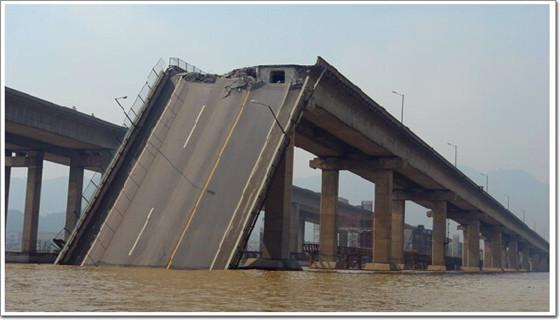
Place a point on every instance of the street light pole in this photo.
(271, 111)
(402, 104)
(507, 201)
(454, 146)
(486, 181)
(120, 105)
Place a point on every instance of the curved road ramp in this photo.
(193, 172)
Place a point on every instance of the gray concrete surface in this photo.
(188, 190)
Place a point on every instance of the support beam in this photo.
(277, 219)
(438, 236)
(74, 203)
(32, 201)
(513, 256)
(492, 261)
(301, 235)
(7, 179)
(503, 254)
(382, 219)
(525, 259)
(426, 195)
(353, 164)
(472, 246)
(534, 261)
(397, 230)
(497, 246)
(295, 229)
(487, 260)
(328, 228)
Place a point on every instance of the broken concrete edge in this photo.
(271, 264)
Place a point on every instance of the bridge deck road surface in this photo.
(187, 199)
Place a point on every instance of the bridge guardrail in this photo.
(185, 66)
(143, 96)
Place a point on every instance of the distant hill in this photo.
(52, 222)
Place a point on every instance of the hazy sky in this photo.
(475, 75)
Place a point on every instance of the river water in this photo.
(51, 288)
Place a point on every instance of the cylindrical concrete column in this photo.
(397, 230)
(513, 255)
(74, 203)
(439, 216)
(301, 234)
(7, 179)
(488, 253)
(328, 213)
(504, 255)
(276, 235)
(534, 261)
(382, 218)
(295, 229)
(473, 246)
(32, 201)
(465, 246)
(525, 259)
(497, 249)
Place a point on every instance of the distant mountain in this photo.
(53, 195)
(52, 222)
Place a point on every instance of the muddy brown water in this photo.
(51, 288)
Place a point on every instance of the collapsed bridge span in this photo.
(185, 190)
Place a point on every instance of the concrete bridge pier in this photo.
(397, 233)
(382, 222)
(297, 229)
(277, 219)
(32, 201)
(512, 256)
(533, 261)
(7, 179)
(471, 246)
(439, 216)
(328, 215)
(492, 261)
(525, 259)
(74, 203)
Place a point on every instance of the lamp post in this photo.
(486, 181)
(454, 146)
(402, 104)
(117, 100)
(271, 111)
(507, 201)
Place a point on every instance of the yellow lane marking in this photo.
(209, 178)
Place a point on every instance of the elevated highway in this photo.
(209, 152)
(38, 130)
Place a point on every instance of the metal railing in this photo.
(185, 66)
(143, 97)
